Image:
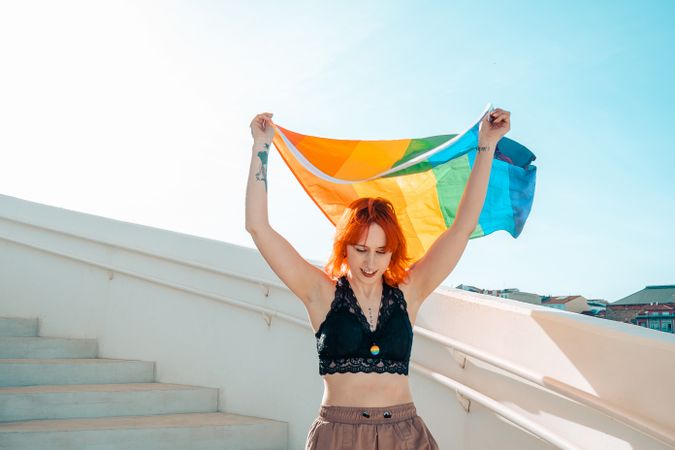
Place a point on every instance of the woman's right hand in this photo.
(261, 128)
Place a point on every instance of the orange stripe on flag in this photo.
(369, 158)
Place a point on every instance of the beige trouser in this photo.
(396, 427)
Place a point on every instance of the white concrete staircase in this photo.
(57, 394)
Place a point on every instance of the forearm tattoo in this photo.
(483, 148)
(261, 175)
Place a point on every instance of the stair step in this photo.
(18, 326)
(44, 347)
(196, 431)
(103, 400)
(29, 372)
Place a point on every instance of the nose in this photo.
(371, 260)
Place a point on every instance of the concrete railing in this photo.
(186, 303)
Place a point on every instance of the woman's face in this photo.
(368, 259)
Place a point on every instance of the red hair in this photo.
(355, 220)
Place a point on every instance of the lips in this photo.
(368, 275)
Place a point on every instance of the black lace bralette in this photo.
(346, 343)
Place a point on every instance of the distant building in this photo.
(510, 293)
(571, 303)
(597, 306)
(652, 307)
(657, 317)
(515, 294)
(469, 288)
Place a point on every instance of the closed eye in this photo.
(379, 251)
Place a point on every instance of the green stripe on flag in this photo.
(451, 178)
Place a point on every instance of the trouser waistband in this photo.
(367, 414)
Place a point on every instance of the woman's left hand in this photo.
(494, 126)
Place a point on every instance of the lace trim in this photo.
(346, 298)
(353, 365)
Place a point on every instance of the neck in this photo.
(372, 289)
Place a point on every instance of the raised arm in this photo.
(430, 270)
(298, 274)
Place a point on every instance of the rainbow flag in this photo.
(424, 178)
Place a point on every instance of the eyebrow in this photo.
(360, 245)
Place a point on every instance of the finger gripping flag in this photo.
(424, 178)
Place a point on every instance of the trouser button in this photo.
(365, 414)
(387, 414)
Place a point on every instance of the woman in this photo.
(364, 356)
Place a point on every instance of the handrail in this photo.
(651, 430)
(183, 262)
(554, 385)
(267, 312)
(496, 407)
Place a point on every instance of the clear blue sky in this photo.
(139, 111)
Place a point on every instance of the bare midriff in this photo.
(365, 389)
